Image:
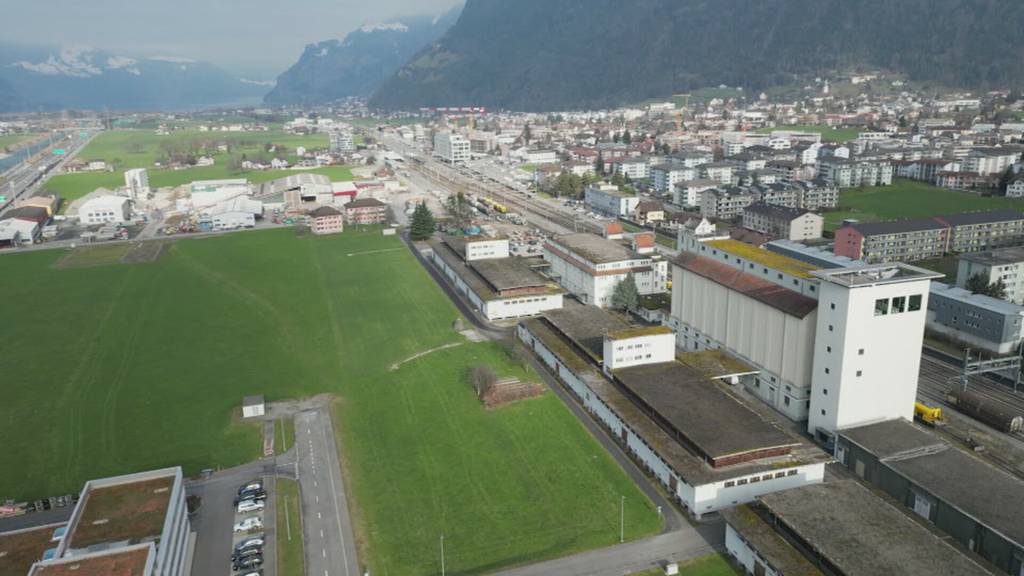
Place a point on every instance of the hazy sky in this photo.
(256, 38)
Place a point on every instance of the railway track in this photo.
(938, 377)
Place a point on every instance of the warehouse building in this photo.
(135, 524)
(16, 232)
(499, 287)
(105, 210)
(840, 529)
(590, 267)
(676, 419)
(976, 504)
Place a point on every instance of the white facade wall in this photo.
(709, 315)
(699, 499)
(232, 220)
(487, 249)
(597, 289)
(650, 349)
(744, 554)
(451, 148)
(521, 306)
(610, 202)
(866, 365)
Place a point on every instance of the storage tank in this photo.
(985, 410)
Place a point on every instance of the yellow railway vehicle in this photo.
(927, 414)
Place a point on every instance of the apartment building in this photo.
(854, 172)
(725, 203)
(664, 177)
(451, 148)
(608, 200)
(919, 239)
(782, 222)
(1003, 264)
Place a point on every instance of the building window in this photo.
(828, 349)
(822, 411)
(830, 328)
(860, 352)
(881, 307)
(898, 304)
(786, 401)
(741, 481)
(824, 391)
(833, 305)
(914, 304)
(730, 484)
(792, 472)
(827, 371)
(859, 373)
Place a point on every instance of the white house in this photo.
(1015, 189)
(638, 346)
(105, 210)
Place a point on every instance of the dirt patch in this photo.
(398, 365)
(509, 390)
(145, 251)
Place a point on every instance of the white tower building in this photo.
(867, 350)
(137, 183)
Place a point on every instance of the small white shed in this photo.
(253, 406)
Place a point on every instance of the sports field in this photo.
(113, 368)
(126, 149)
(828, 133)
(909, 199)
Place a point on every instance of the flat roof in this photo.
(127, 511)
(769, 544)
(861, 533)
(639, 331)
(769, 293)
(126, 562)
(999, 257)
(989, 495)
(19, 549)
(691, 468)
(875, 275)
(715, 363)
(587, 326)
(764, 257)
(982, 301)
(488, 277)
(595, 248)
(713, 421)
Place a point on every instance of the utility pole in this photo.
(622, 520)
(442, 554)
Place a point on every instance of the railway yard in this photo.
(1000, 448)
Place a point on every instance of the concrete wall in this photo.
(744, 553)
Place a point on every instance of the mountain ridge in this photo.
(356, 65)
(542, 55)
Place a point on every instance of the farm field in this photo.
(137, 366)
(828, 133)
(909, 199)
(126, 149)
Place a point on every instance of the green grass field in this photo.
(909, 199)
(290, 558)
(126, 149)
(124, 367)
(828, 133)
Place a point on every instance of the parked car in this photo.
(251, 495)
(253, 573)
(249, 543)
(254, 485)
(249, 506)
(249, 524)
(248, 563)
(247, 553)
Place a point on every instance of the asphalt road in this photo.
(327, 531)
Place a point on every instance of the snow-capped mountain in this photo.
(357, 65)
(47, 78)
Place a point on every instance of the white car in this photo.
(253, 523)
(249, 506)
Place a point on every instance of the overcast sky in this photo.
(255, 38)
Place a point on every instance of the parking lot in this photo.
(220, 527)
